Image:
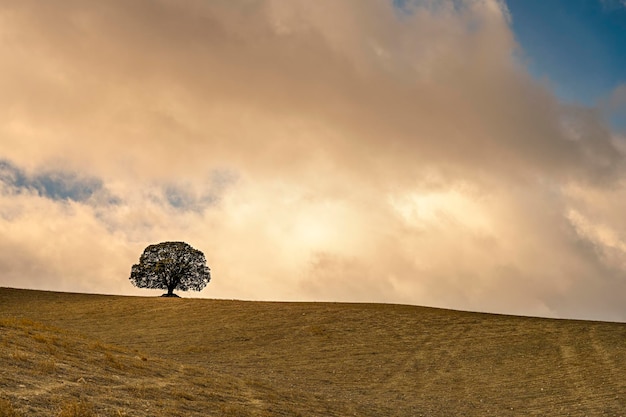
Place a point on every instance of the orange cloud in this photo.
(313, 150)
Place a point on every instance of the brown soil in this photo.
(132, 356)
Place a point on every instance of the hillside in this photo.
(92, 355)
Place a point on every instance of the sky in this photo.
(578, 47)
(464, 154)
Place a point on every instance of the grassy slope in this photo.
(166, 357)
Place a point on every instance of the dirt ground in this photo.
(91, 355)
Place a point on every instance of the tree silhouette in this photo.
(170, 266)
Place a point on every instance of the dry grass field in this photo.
(72, 355)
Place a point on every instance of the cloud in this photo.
(613, 4)
(614, 107)
(188, 196)
(352, 150)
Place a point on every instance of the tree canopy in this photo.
(171, 266)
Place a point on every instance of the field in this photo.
(71, 355)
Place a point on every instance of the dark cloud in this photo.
(191, 196)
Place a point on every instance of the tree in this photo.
(170, 266)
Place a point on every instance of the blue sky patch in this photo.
(578, 45)
(54, 185)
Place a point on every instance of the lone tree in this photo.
(170, 266)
